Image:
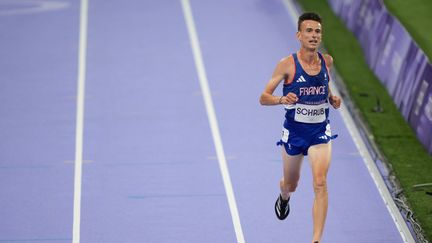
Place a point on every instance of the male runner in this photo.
(306, 130)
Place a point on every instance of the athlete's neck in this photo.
(308, 57)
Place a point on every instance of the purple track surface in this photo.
(150, 171)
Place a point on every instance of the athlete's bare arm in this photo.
(334, 100)
(283, 71)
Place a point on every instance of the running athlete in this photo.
(306, 130)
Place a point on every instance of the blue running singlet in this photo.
(306, 122)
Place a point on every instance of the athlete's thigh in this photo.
(319, 157)
(291, 165)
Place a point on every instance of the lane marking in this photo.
(367, 158)
(82, 53)
(211, 114)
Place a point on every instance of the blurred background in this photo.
(139, 121)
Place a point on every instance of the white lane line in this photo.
(211, 114)
(80, 120)
(367, 158)
(292, 12)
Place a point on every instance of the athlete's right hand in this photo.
(289, 99)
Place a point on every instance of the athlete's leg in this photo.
(291, 173)
(319, 157)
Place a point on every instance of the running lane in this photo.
(37, 125)
(242, 41)
(150, 172)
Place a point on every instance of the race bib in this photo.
(310, 113)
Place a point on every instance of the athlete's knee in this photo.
(320, 185)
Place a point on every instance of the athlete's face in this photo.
(310, 34)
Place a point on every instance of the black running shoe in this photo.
(282, 208)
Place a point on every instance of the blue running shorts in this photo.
(299, 143)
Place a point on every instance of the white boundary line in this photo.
(80, 120)
(199, 64)
(367, 158)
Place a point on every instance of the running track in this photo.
(150, 167)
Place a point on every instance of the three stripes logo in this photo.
(301, 79)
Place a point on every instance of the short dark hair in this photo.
(308, 16)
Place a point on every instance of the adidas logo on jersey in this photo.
(301, 79)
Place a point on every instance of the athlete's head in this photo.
(308, 16)
(309, 30)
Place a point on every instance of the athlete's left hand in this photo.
(335, 101)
